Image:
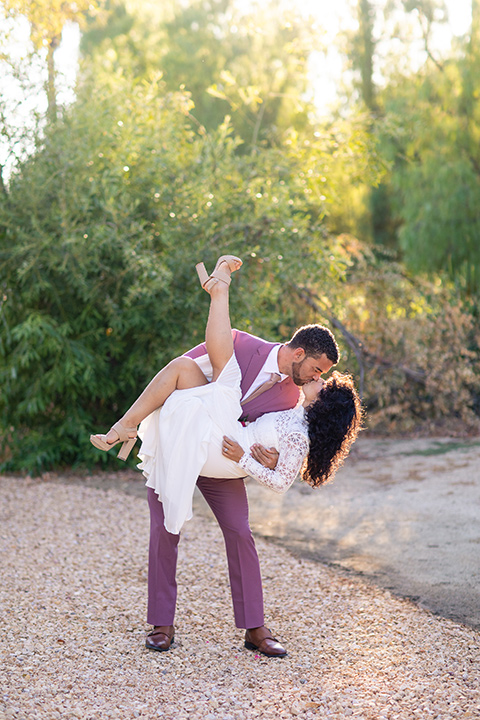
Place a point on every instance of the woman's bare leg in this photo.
(180, 374)
(218, 333)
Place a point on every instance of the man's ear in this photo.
(298, 354)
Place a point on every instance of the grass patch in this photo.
(443, 448)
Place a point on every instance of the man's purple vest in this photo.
(251, 353)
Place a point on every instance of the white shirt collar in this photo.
(271, 363)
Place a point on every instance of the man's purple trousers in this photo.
(229, 504)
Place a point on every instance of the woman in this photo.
(192, 428)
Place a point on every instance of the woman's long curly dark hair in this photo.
(334, 421)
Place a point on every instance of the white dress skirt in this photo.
(183, 439)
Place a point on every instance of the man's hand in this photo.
(268, 457)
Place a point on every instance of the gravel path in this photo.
(404, 514)
(73, 602)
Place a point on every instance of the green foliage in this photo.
(252, 66)
(100, 231)
(143, 176)
(441, 228)
(362, 52)
(430, 134)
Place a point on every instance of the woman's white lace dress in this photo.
(183, 439)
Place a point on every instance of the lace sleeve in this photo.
(293, 450)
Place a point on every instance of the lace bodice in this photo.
(287, 431)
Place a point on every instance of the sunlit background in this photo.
(334, 146)
(326, 65)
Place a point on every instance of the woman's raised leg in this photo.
(218, 333)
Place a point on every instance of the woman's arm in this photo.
(293, 451)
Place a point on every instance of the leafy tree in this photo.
(362, 52)
(251, 66)
(432, 134)
(427, 125)
(377, 68)
(100, 230)
(47, 19)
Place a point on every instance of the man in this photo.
(272, 374)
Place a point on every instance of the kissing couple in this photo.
(232, 407)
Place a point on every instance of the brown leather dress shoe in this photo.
(261, 639)
(160, 638)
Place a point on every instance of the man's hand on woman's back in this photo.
(268, 457)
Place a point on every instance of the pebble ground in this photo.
(73, 603)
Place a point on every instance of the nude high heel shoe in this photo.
(123, 433)
(234, 263)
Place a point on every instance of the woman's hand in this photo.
(231, 449)
(268, 457)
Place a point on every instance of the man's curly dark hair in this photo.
(334, 421)
(316, 340)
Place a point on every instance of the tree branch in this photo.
(363, 355)
(426, 37)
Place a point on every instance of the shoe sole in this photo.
(159, 649)
(251, 646)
